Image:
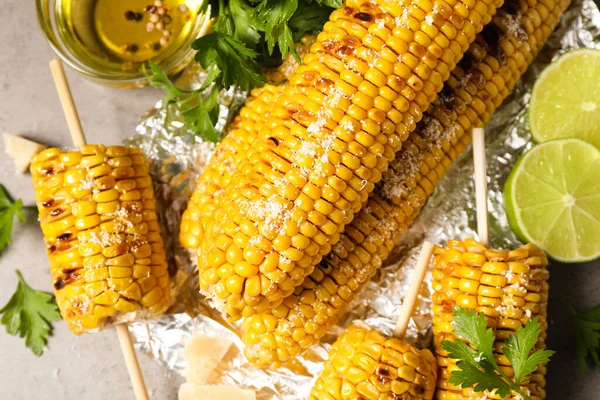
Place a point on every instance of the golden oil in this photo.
(111, 35)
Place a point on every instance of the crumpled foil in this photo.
(178, 157)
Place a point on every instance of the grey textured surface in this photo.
(90, 366)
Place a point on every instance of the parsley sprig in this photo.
(587, 336)
(8, 211)
(476, 363)
(29, 313)
(249, 35)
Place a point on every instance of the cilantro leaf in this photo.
(8, 210)
(29, 313)
(587, 336)
(519, 346)
(477, 366)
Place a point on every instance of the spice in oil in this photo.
(121, 34)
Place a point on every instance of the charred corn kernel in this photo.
(99, 241)
(364, 364)
(304, 132)
(439, 138)
(503, 319)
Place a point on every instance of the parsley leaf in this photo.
(272, 17)
(29, 314)
(519, 346)
(200, 112)
(328, 3)
(8, 210)
(477, 366)
(308, 19)
(587, 336)
(236, 62)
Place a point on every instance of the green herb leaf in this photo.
(328, 3)
(519, 346)
(477, 365)
(29, 313)
(473, 327)
(199, 112)
(308, 18)
(8, 210)
(587, 336)
(236, 62)
(272, 17)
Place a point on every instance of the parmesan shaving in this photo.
(202, 355)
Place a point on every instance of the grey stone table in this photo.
(90, 367)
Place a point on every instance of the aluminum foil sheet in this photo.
(178, 158)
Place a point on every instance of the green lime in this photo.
(552, 199)
(565, 102)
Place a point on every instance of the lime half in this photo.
(565, 102)
(552, 199)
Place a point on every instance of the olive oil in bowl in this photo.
(108, 40)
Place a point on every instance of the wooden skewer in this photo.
(481, 191)
(413, 291)
(78, 137)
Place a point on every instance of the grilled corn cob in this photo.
(342, 117)
(508, 287)
(97, 213)
(219, 171)
(363, 364)
(240, 134)
(481, 82)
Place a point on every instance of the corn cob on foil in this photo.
(171, 148)
(97, 212)
(509, 287)
(343, 115)
(481, 82)
(363, 364)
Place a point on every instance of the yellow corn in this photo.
(343, 115)
(508, 287)
(97, 213)
(486, 76)
(363, 364)
(229, 152)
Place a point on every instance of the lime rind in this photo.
(555, 110)
(579, 223)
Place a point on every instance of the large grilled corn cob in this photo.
(363, 364)
(508, 287)
(227, 156)
(223, 164)
(481, 82)
(342, 117)
(96, 208)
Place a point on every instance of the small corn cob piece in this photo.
(372, 72)
(363, 364)
(477, 86)
(227, 156)
(508, 287)
(97, 213)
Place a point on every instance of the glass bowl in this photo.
(57, 26)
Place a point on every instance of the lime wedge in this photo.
(552, 199)
(565, 102)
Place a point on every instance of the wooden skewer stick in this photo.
(413, 290)
(66, 99)
(481, 191)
